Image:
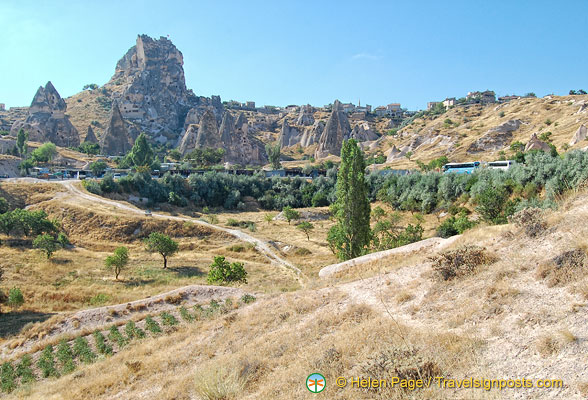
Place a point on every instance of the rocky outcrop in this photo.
(363, 133)
(311, 136)
(240, 147)
(90, 136)
(289, 136)
(188, 141)
(336, 130)
(117, 139)
(154, 93)
(208, 132)
(306, 116)
(394, 154)
(579, 136)
(46, 120)
(536, 144)
(203, 104)
(496, 138)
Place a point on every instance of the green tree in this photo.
(351, 236)
(162, 244)
(268, 218)
(4, 206)
(273, 154)
(44, 153)
(141, 154)
(223, 271)
(21, 142)
(175, 155)
(47, 244)
(98, 167)
(491, 202)
(91, 86)
(118, 261)
(15, 298)
(305, 227)
(290, 214)
(25, 166)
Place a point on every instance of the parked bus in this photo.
(504, 165)
(461, 168)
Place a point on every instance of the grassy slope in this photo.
(477, 325)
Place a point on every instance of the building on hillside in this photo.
(449, 102)
(381, 111)
(347, 107)
(432, 104)
(250, 105)
(486, 97)
(508, 98)
(393, 107)
(2, 107)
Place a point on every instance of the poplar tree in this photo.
(351, 236)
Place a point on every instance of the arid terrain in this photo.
(389, 315)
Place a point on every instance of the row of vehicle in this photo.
(469, 167)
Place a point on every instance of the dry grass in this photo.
(213, 360)
(564, 269)
(455, 264)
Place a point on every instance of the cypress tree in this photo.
(351, 236)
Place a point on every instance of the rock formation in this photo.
(208, 131)
(203, 104)
(289, 136)
(116, 139)
(90, 136)
(240, 147)
(394, 154)
(188, 141)
(580, 135)
(46, 120)
(363, 133)
(306, 116)
(336, 129)
(536, 144)
(154, 93)
(311, 136)
(496, 138)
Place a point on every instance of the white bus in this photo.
(504, 165)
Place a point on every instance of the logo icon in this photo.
(316, 383)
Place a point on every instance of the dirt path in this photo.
(260, 245)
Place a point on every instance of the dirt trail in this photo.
(260, 245)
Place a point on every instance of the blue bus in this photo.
(461, 168)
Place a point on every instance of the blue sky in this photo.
(298, 52)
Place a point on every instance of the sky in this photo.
(299, 52)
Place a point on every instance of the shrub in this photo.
(567, 267)
(290, 214)
(115, 336)
(7, 377)
(92, 186)
(83, 351)
(168, 319)
(152, 325)
(24, 371)
(186, 314)
(247, 298)
(447, 228)
(133, 332)
(15, 298)
(65, 357)
(46, 363)
(531, 220)
(101, 345)
(460, 262)
(99, 299)
(225, 272)
(491, 202)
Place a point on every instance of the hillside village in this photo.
(161, 244)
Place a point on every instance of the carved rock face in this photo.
(496, 138)
(154, 93)
(116, 139)
(289, 136)
(335, 131)
(240, 147)
(46, 120)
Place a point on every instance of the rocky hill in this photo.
(148, 93)
(483, 132)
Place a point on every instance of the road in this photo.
(260, 245)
